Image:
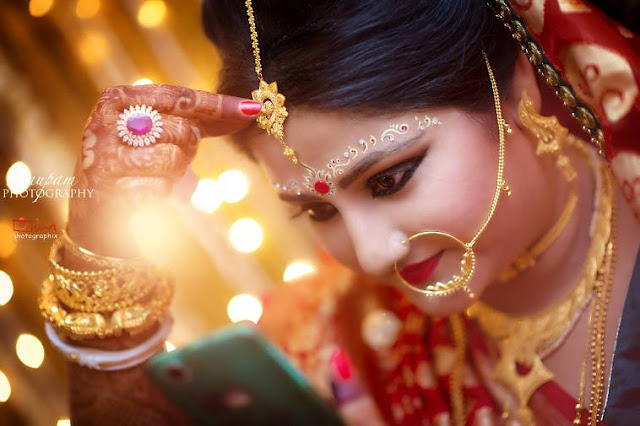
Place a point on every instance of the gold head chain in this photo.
(274, 113)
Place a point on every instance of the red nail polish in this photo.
(250, 107)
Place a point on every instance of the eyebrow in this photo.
(372, 158)
(353, 174)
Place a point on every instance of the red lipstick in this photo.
(417, 273)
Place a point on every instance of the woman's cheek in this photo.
(336, 242)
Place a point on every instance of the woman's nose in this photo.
(377, 245)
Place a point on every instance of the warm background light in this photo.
(246, 235)
(30, 350)
(40, 7)
(233, 186)
(154, 232)
(142, 82)
(93, 48)
(297, 269)
(244, 307)
(86, 9)
(18, 177)
(7, 242)
(5, 388)
(152, 13)
(206, 196)
(6, 288)
(64, 422)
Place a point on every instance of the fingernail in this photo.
(250, 107)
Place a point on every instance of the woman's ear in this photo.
(524, 79)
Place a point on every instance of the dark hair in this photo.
(364, 56)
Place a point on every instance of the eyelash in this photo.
(406, 169)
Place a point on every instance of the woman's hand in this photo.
(122, 176)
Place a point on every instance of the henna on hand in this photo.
(122, 177)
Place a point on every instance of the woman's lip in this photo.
(417, 273)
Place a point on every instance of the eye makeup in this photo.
(320, 182)
(384, 183)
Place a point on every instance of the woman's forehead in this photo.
(331, 144)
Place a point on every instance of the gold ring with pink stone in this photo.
(139, 125)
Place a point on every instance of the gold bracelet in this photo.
(132, 320)
(117, 287)
(90, 257)
(99, 294)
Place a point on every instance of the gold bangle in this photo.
(54, 261)
(90, 257)
(100, 294)
(119, 286)
(132, 320)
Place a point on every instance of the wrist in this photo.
(112, 359)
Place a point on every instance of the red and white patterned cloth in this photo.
(601, 61)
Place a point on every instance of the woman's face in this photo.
(439, 175)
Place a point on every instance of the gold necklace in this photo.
(522, 339)
(595, 343)
(528, 259)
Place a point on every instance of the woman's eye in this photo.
(393, 180)
(317, 211)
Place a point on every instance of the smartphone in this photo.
(235, 376)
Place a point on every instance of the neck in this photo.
(557, 269)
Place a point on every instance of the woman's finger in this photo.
(182, 132)
(161, 160)
(205, 107)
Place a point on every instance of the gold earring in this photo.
(549, 133)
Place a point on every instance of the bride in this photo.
(493, 255)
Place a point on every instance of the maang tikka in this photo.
(274, 113)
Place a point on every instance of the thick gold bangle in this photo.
(118, 286)
(104, 294)
(132, 320)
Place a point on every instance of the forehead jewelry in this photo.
(468, 263)
(139, 125)
(321, 181)
(274, 113)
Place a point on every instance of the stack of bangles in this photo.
(113, 297)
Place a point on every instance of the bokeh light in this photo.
(206, 196)
(39, 8)
(152, 13)
(30, 350)
(7, 242)
(142, 82)
(246, 235)
(243, 307)
(154, 233)
(64, 422)
(297, 269)
(233, 186)
(93, 47)
(168, 346)
(5, 387)
(86, 9)
(6, 288)
(18, 177)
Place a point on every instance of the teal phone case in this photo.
(235, 376)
